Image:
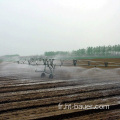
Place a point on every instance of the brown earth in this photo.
(113, 63)
(25, 96)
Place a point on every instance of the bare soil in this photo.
(25, 96)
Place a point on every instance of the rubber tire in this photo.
(43, 75)
(51, 76)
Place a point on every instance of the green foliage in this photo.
(11, 55)
(1, 60)
(52, 53)
(99, 51)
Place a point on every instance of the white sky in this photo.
(29, 27)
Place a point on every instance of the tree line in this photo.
(89, 51)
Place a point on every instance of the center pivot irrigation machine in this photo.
(51, 64)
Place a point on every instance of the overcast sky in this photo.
(31, 27)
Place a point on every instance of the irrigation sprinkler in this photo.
(50, 64)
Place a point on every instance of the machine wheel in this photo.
(51, 76)
(43, 75)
